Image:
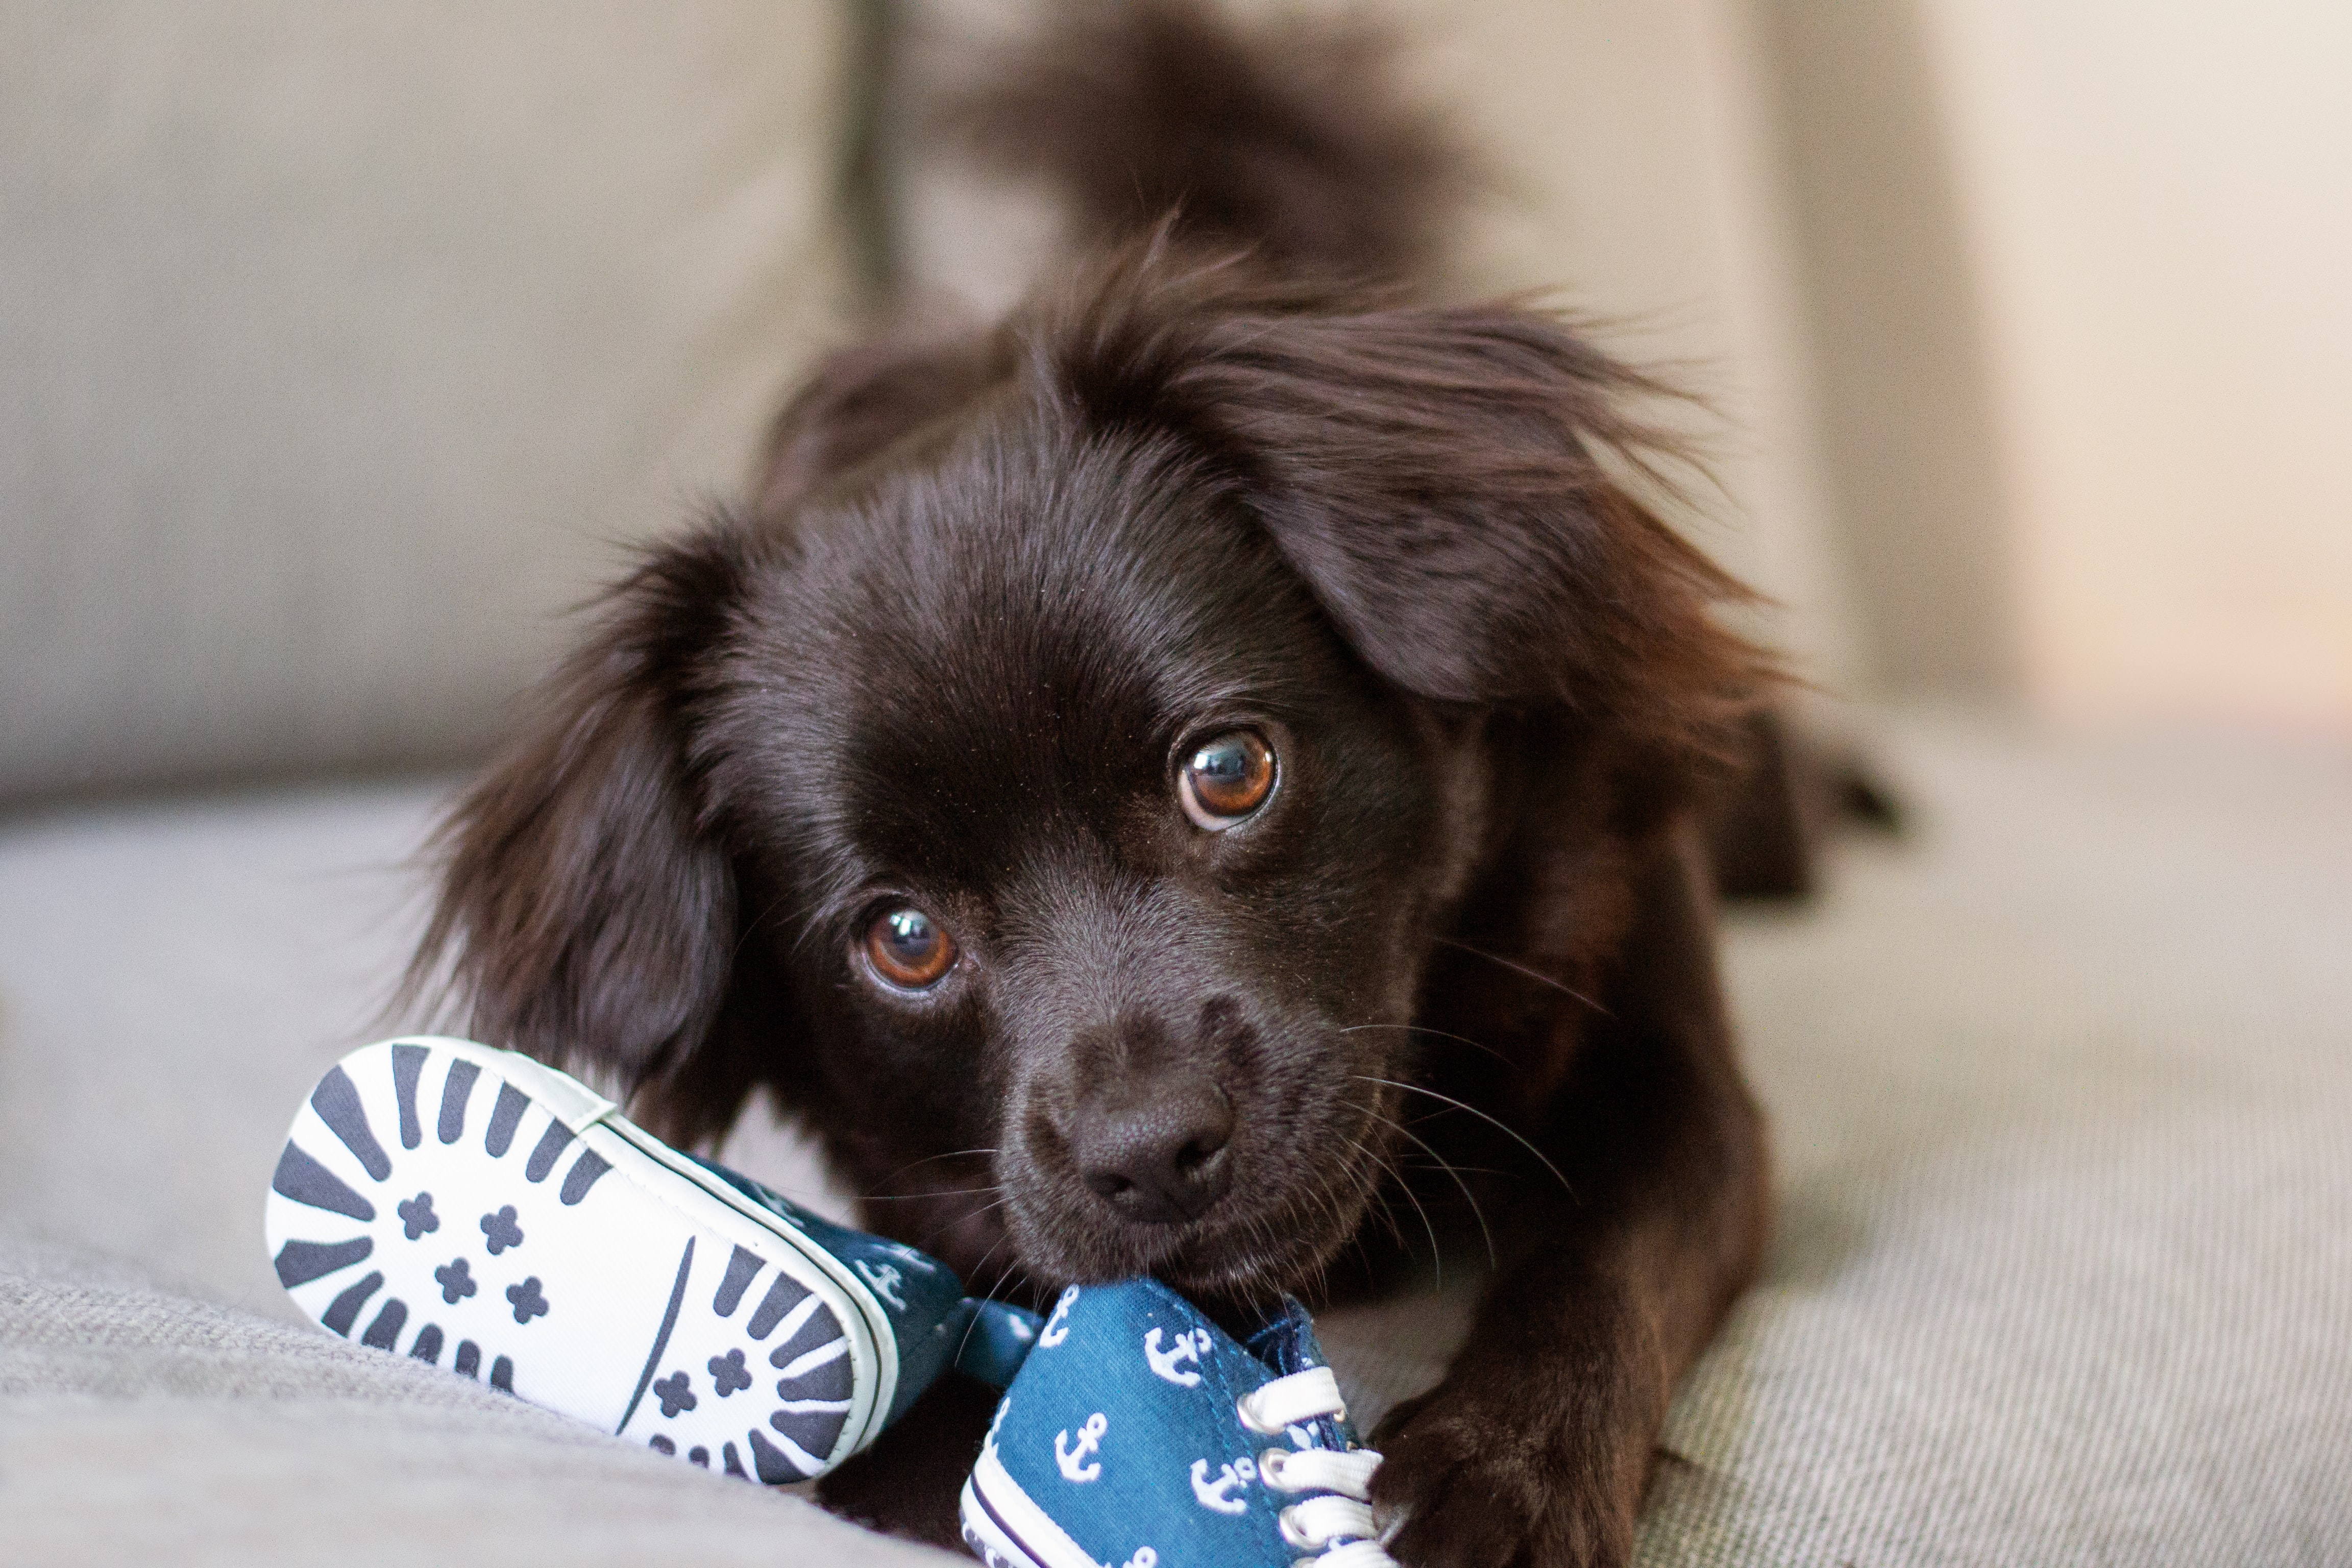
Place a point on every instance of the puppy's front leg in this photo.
(1535, 1448)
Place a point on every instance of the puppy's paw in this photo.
(1498, 1476)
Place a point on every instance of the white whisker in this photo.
(1535, 974)
(1449, 1099)
(1476, 1213)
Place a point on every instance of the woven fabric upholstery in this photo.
(140, 1426)
(2063, 1103)
(340, 345)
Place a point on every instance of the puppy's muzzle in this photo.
(1153, 1146)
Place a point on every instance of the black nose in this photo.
(1159, 1158)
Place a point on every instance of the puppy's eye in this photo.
(1226, 779)
(907, 949)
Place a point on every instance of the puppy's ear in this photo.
(586, 913)
(863, 401)
(1437, 477)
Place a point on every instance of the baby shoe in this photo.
(1140, 1433)
(484, 1213)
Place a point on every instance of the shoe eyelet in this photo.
(1249, 1418)
(1270, 1466)
(1292, 1532)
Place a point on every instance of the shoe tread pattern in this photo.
(749, 1372)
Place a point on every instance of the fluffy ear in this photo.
(862, 401)
(586, 911)
(1435, 476)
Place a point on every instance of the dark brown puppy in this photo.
(1146, 782)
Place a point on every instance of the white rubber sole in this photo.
(479, 1211)
(1005, 1529)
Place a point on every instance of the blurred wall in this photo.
(1916, 508)
(2157, 198)
(2078, 278)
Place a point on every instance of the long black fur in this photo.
(988, 593)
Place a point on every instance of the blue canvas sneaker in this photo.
(1140, 1434)
(486, 1214)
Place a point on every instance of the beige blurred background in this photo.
(340, 351)
(2032, 320)
(2156, 221)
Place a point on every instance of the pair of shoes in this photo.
(1138, 1431)
(481, 1212)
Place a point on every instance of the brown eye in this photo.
(1226, 779)
(907, 949)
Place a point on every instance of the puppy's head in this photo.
(1057, 792)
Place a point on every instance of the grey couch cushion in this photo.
(2062, 1092)
(140, 1426)
(338, 343)
(2063, 1097)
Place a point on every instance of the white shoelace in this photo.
(1320, 1521)
(1344, 1513)
(1320, 1470)
(1301, 1396)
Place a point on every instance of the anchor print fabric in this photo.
(1119, 1444)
